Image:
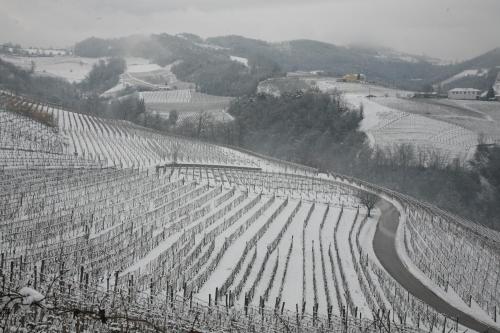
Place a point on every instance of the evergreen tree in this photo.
(491, 93)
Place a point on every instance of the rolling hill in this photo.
(209, 64)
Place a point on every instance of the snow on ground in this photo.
(211, 46)
(235, 251)
(379, 117)
(143, 68)
(375, 115)
(138, 65)
(466, 73)
(216, 115)
(73, 69)
(142, 73)
(355, 95)
(30, 295)
(366, 241)
(437, 107)
(308, 270)
(342, 238)
(261, 246)
(359, 89)
(366, 236)
(486, 109)
(241, 60)
(450, 297)
(47, 52)
(154, 253)
(367, 233)
(312, 241)
(293, 278)
(390, 117)
(113, 91)
(122, 143)
(476, 117)
(188, 103)
(266, 277)
(328, 239)
(386, 126)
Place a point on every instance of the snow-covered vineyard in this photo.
(388, 125)
(108, 225)
(428, 135)
(188, 103)
(108, 142)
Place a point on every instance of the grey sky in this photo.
(449, 29)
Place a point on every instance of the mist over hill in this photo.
(207, 62)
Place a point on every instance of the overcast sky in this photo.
(448, 29)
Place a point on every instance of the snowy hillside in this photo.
(482, 72)
(119, 226)
(73, 69)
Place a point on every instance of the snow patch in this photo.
(241, 60)
(30, 295)
(73, 69)
(466, 73)
(141, 68)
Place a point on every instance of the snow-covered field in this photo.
(278, 86)
(46, 52)
(480, 117)
(221, 229)
(113, 143)
(391, 118)
(142, 74)
(387, 127)
(71, 68)
(138, 65)
(287, 267)
(466, 73)
(357, 89)
(241, 60)
(188, 104)
(125, 144)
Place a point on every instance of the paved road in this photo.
(385, 250)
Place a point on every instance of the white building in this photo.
(464, 93)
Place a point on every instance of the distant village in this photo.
(18, 50)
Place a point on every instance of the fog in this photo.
(448, 29)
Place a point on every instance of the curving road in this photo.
(385, 250)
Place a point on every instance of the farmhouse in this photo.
(463, 93)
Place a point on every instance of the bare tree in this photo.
(368, 199)
(175, 154)
(203, 120)
(173, 116)
(404, 154)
